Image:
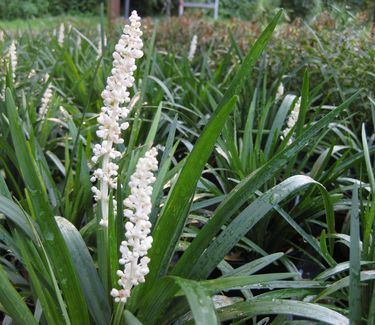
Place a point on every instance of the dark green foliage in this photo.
(37, 8)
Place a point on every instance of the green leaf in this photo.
(16, 215)
(93, 289)
(254, 266)
(344, 283)
(236, 282)
(200, 302)
(341, 267)
(130, 319)
(355, 266)
(39, 277)
(285, 307)
(154, 126)
(12, 302)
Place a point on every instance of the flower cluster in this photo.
(193, 48)
(115, 95)
(137, 209)
(32, 73)
(292, 120)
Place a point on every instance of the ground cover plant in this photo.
(256, 189)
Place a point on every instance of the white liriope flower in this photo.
(13, 58)
(280, 92)
(45, 100)
(61, 36)
(193, 48)
(31, 74)
(1, 36)
(292, 120)
(137, 240)
(115, 96)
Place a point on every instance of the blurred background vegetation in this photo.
(244, 9)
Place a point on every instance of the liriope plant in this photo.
(73, 267)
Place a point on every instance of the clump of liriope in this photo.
(138, 204)
(193, 48)
(115, 95)
(137, 243)
(292, 120)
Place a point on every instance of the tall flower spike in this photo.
(137, 240)
(115, 96)
(292, 120)
(61, 37)
(193, 48)
(45, 99)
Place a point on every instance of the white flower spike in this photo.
(13, 58)
(137, 240)
(115, 98)
(45, 100)
(280, 92)
(193, 48)
(292, 120)
(61, 37)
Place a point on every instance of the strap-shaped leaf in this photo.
(13, 303)
(93, 289)
(286, 307)
(200, 302)
(15, 214)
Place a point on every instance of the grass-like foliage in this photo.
(263, 203)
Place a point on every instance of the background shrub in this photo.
(36, 8)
